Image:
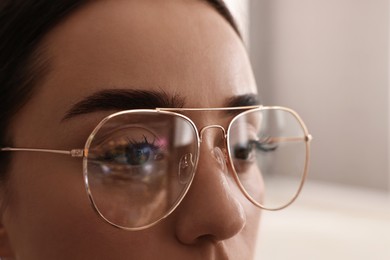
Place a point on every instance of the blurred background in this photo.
(329, 61)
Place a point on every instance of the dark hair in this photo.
(23, 24)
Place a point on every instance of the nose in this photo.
(211, 209)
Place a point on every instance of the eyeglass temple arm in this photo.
(73, 152)
(80, 152)
(306, 138)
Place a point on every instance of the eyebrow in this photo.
(124, 99)
(243, 101)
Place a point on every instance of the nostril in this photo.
(207, 238)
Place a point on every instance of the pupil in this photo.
(137, 155)
(242, 153)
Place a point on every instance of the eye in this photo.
(133, 153)
(246, 151)
(241, 152)
(266, 144)
(139, 153)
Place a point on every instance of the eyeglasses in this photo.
(138, 165)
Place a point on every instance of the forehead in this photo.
(182, 47)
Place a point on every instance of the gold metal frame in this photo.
(83, 153)
(306, 138)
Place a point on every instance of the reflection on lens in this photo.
(268, 151)
(133, 167)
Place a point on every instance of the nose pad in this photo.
(220, 157)
(186, 164)
(186, 168)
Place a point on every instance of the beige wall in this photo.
(329, 60)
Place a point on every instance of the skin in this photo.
(181, 47)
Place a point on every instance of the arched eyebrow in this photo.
(124, 99)
(243, 101)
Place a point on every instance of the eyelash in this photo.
(145, 141)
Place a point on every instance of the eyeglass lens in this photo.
(268, 153)
(140, 165)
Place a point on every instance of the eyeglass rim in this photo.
(85, 166)
(307, 138)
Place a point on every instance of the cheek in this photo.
(253, 186)
(251, 229)
(246, 241)
(49, 216)
(249, 235)
(44, 198)
(48, 212)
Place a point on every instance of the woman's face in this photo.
(183, 48)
